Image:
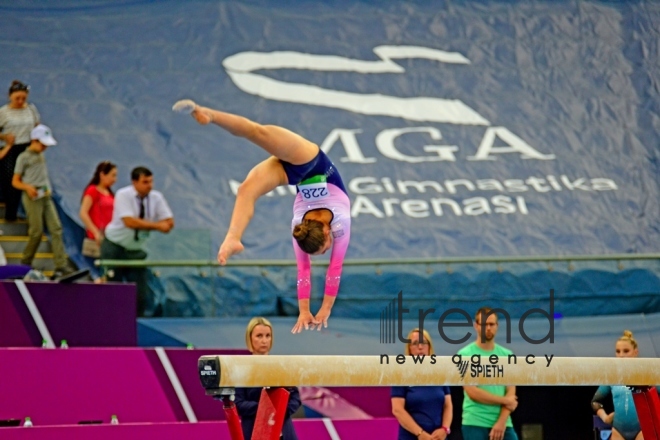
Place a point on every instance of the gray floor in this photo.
(584, 337)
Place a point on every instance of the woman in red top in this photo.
(98, 200)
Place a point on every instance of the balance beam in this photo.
(226, 372)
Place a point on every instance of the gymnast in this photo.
(624, 421)
(321, 209)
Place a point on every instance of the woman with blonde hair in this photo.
(424, 413)
(259, 340)
(624, 421)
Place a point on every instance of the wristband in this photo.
(447, 430)
(420, 433)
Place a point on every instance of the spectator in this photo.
(138, 210)
(96, 210)
(31, 176)
(259, 340)
(425, 412)
(624, 421)
(17, 119)
(487, 408)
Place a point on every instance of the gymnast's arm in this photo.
(304, 287)
(603, 393)
(304, 279)
(333, 274)
(339, 248)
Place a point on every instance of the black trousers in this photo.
(138, 275)
(11, 195)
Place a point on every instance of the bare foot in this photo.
(230, 246)
(201, 115)
(197, 112)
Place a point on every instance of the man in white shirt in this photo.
(138, 210)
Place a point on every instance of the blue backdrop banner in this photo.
(459, 128)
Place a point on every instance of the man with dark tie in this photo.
(138, 210)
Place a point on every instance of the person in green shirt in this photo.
(487, 408)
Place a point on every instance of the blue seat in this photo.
(13, 271)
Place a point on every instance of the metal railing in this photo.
(381, 261)
(211, 281)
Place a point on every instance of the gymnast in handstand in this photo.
(321, 209)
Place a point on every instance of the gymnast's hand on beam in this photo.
(322, 317)
(305, 319)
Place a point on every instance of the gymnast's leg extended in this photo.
(283, 144)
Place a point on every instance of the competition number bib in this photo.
(313, 189)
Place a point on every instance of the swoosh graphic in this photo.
(453, 111)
